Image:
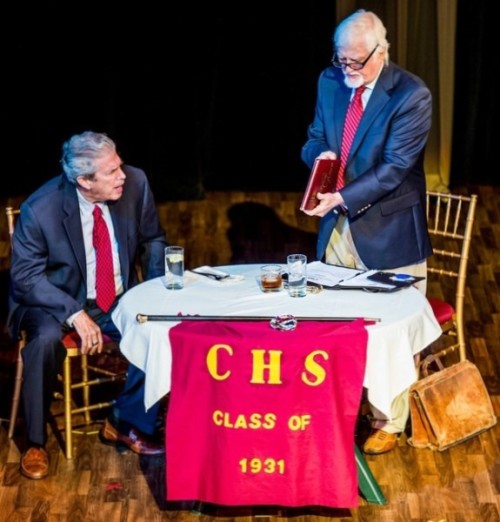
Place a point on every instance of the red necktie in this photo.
(104, 273)
(353, 116)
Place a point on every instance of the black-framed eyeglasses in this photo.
(355, 66)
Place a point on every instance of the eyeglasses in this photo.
(355, 66)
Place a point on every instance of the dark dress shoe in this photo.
(133, 440)
(35, 463)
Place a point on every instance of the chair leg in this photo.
(16, 398)
(86, 388)
(68, 402)
(67, 407)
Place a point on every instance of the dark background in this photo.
(203, 98)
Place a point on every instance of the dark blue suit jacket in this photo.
(48, 268)
(385, 180)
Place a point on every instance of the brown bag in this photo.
(449, 406)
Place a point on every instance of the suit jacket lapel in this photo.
(73, 226)
(119, 213)
(377, 102)
(340, 115)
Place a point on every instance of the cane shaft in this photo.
(143, 318)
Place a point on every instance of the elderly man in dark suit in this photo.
(53, 283)
(375, 219)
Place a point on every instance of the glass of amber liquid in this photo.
(270, 278)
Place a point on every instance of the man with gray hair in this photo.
(55, 274)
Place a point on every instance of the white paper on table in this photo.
(343, 277)
(329, 275)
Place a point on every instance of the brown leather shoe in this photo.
(35, 463)
(133, 440)
(379, 442)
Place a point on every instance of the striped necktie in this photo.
(353, 116)
(104, 273)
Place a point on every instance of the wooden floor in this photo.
(461, 484)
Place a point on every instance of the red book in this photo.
(323, 178)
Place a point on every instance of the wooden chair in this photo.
(72, 413)
(450, 220)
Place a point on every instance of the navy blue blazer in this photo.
(48, 267)
(385, 180)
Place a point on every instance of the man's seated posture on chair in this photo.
(56, 284)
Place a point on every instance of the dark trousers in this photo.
(42, 359)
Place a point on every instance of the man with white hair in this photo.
(375, 218)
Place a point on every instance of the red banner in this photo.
(264, 417)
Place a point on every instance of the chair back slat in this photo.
(450, 219)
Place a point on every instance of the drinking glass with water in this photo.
(297, 276)
(174, 267)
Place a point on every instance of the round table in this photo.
(406, 324)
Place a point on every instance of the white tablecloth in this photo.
(407, 325)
